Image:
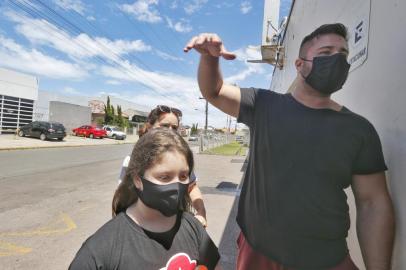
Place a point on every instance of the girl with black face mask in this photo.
(169, 117)
(151, 228)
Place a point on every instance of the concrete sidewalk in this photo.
(13, 142)
(219, 178)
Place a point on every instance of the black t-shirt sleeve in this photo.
(208, 252)
(247, 106)
(84, 260)
(370, 157)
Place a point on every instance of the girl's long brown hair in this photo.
(146, 153)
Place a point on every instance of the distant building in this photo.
(97, 110)
(70, 115)
(21, 102)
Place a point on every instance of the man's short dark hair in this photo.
(334, 28)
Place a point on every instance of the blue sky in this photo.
(131, 49)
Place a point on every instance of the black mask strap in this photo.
(307, 60)
(304, 59)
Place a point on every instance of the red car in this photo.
(89, 131)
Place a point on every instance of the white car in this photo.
(114, 133)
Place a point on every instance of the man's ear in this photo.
(298, 64)
(137, 182)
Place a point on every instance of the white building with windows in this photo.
(18, 94)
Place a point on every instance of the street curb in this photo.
(60, 146)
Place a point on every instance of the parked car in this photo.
(114, 133)
(89, 131)
(43, 130)
(239, 139)
(193, 139)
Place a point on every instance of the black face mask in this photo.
(167, 199)
(328, 73)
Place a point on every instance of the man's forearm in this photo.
(209, 76)
(376, 229)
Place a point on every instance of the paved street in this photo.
(53, 199)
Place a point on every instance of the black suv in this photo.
(43, 130)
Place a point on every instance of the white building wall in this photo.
(376, 89)
(17, 84)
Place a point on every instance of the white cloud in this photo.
(164, 83)
(181, 26)
(174, 4)
(111, 94)
(15, 56)
(242, 75)
(167, 56)
(163, 88)
(75, 5)
(41, 32)
(91, 18)
(143, 10)
(194, 5)
(249, 52)
(224, 5)
(113, 82)
(246, 7)
(72, 91)
(244, 54)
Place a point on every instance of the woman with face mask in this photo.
(151, 229)
(168, 117)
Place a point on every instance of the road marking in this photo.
(86, 208)
(68, 225)
(8, 249)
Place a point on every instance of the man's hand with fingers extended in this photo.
(209, 44)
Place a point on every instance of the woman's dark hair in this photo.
(146, 153)
(333, 28)
(154, 116)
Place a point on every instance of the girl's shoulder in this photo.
(190, 223)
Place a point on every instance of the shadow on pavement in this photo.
(228, 242)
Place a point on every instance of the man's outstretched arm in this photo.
(375, 220)
(223, 96)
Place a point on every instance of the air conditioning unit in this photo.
(272, 32)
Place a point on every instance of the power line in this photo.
(161, 41)
(34, 11)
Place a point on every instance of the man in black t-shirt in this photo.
(305, 150)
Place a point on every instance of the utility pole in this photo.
(207, 114)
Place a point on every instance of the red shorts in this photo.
(248, 259)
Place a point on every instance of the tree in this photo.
(120, 118)
(193, 130)
(108, 112)
(111, 118)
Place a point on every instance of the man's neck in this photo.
(150, 219)
(312, 98)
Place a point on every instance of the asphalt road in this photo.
(46, 195)
(26, 176)
(53, 199)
